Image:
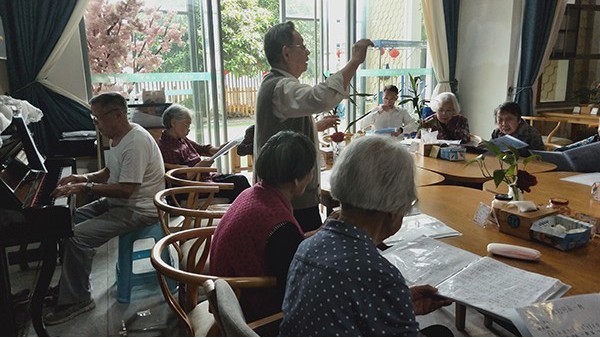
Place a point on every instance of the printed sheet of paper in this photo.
(585, 179)
(415, 226)
(227, 147)
(428, 261)
(575, 316)
(499, 288)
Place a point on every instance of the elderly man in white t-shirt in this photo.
(134, 173)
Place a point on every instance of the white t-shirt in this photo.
(137, 159)
(381, 119)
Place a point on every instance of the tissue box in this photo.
(546, 231)
(453, 153)
(518, 224)
(425, 149)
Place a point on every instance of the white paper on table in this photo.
(415, 226)
(585, 179)
(499, 288)
(227, 147)
(428, 261)
(566, 317)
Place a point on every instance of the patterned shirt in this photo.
(339, 285)
(181, 151)
(456, 129)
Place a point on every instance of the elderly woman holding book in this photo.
(179, 151)
(338, 275)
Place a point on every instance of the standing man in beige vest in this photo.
(286, 104)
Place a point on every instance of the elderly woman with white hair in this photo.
(338, 275)
(447, 120)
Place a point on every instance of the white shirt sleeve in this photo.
(368, 121)
(294, 99)
(409, 123)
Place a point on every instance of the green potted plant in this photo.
(518, 180)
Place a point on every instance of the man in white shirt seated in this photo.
(388, 116)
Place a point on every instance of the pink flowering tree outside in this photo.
(126, 37)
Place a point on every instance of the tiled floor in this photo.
(148, 314)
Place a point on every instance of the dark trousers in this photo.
(240, 183)
(309, 218)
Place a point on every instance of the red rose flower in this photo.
(338, 136)
(525, 180)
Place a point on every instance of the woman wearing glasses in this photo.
(447, 120)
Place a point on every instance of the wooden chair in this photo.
(228, 314)
(193, 176)
(235, 161)
(174, 178)
(550, 141)
(190, 275)
(182, 208)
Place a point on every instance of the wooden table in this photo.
(422, 178)
(457, 171)
(550, 185)
(456, 206)
(587, 119)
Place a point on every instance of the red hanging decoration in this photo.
(338, 52)
(394, 53)
(381, 51)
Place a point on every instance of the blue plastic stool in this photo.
(126, 278)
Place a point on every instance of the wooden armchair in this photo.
(228, 314)
(550, 141)
(192, 176)
(190, 275)
(184, 208)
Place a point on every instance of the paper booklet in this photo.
(480, 282)
(506, 140)
(415, 226)
(227, 148)
(575, 316)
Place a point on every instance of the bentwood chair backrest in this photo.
(187, 203)
(225, 307)
(191, 275)
(193, 176)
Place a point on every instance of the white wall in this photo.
(488, 43)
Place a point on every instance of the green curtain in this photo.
(538, 17)
(32, 29)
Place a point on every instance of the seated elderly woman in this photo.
(338, 275)
(509, 121)
(447, 120)
(258, 235)
(179, 151)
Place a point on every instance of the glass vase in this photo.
(337, 149)
(514, 192)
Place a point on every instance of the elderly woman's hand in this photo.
(425, 299)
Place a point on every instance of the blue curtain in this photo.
(32, 29)
(537, 23)
(451, 10)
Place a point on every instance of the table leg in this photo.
(460, 316)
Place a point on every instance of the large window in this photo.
(208, 54)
